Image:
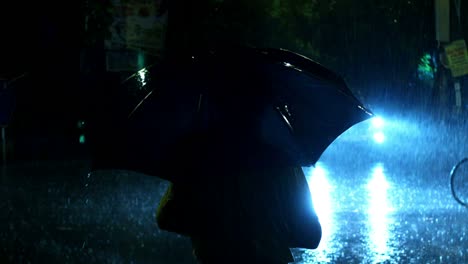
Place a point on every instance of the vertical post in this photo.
(442, 20)
(458, 96)
(442, 34)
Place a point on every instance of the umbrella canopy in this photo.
(233, 107)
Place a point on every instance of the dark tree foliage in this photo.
(375, 45)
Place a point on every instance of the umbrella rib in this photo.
(285, 118)
(139, 104)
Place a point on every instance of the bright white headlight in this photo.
(377, 122)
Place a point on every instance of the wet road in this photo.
(378, 218)
(386, 202)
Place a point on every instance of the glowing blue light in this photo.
(378, 122)
(321, 190)
(379, 137)
(378, 213)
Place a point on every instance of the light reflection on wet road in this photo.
(382, 218)
(377, 209)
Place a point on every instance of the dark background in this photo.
(39, 51)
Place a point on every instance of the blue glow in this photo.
(321, 190)
(379, 137)
(377, 122)
(378, 214)
(336, 215)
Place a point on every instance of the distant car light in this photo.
(377, 122)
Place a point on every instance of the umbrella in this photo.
(228, 107)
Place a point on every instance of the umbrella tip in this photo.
(367, 111)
